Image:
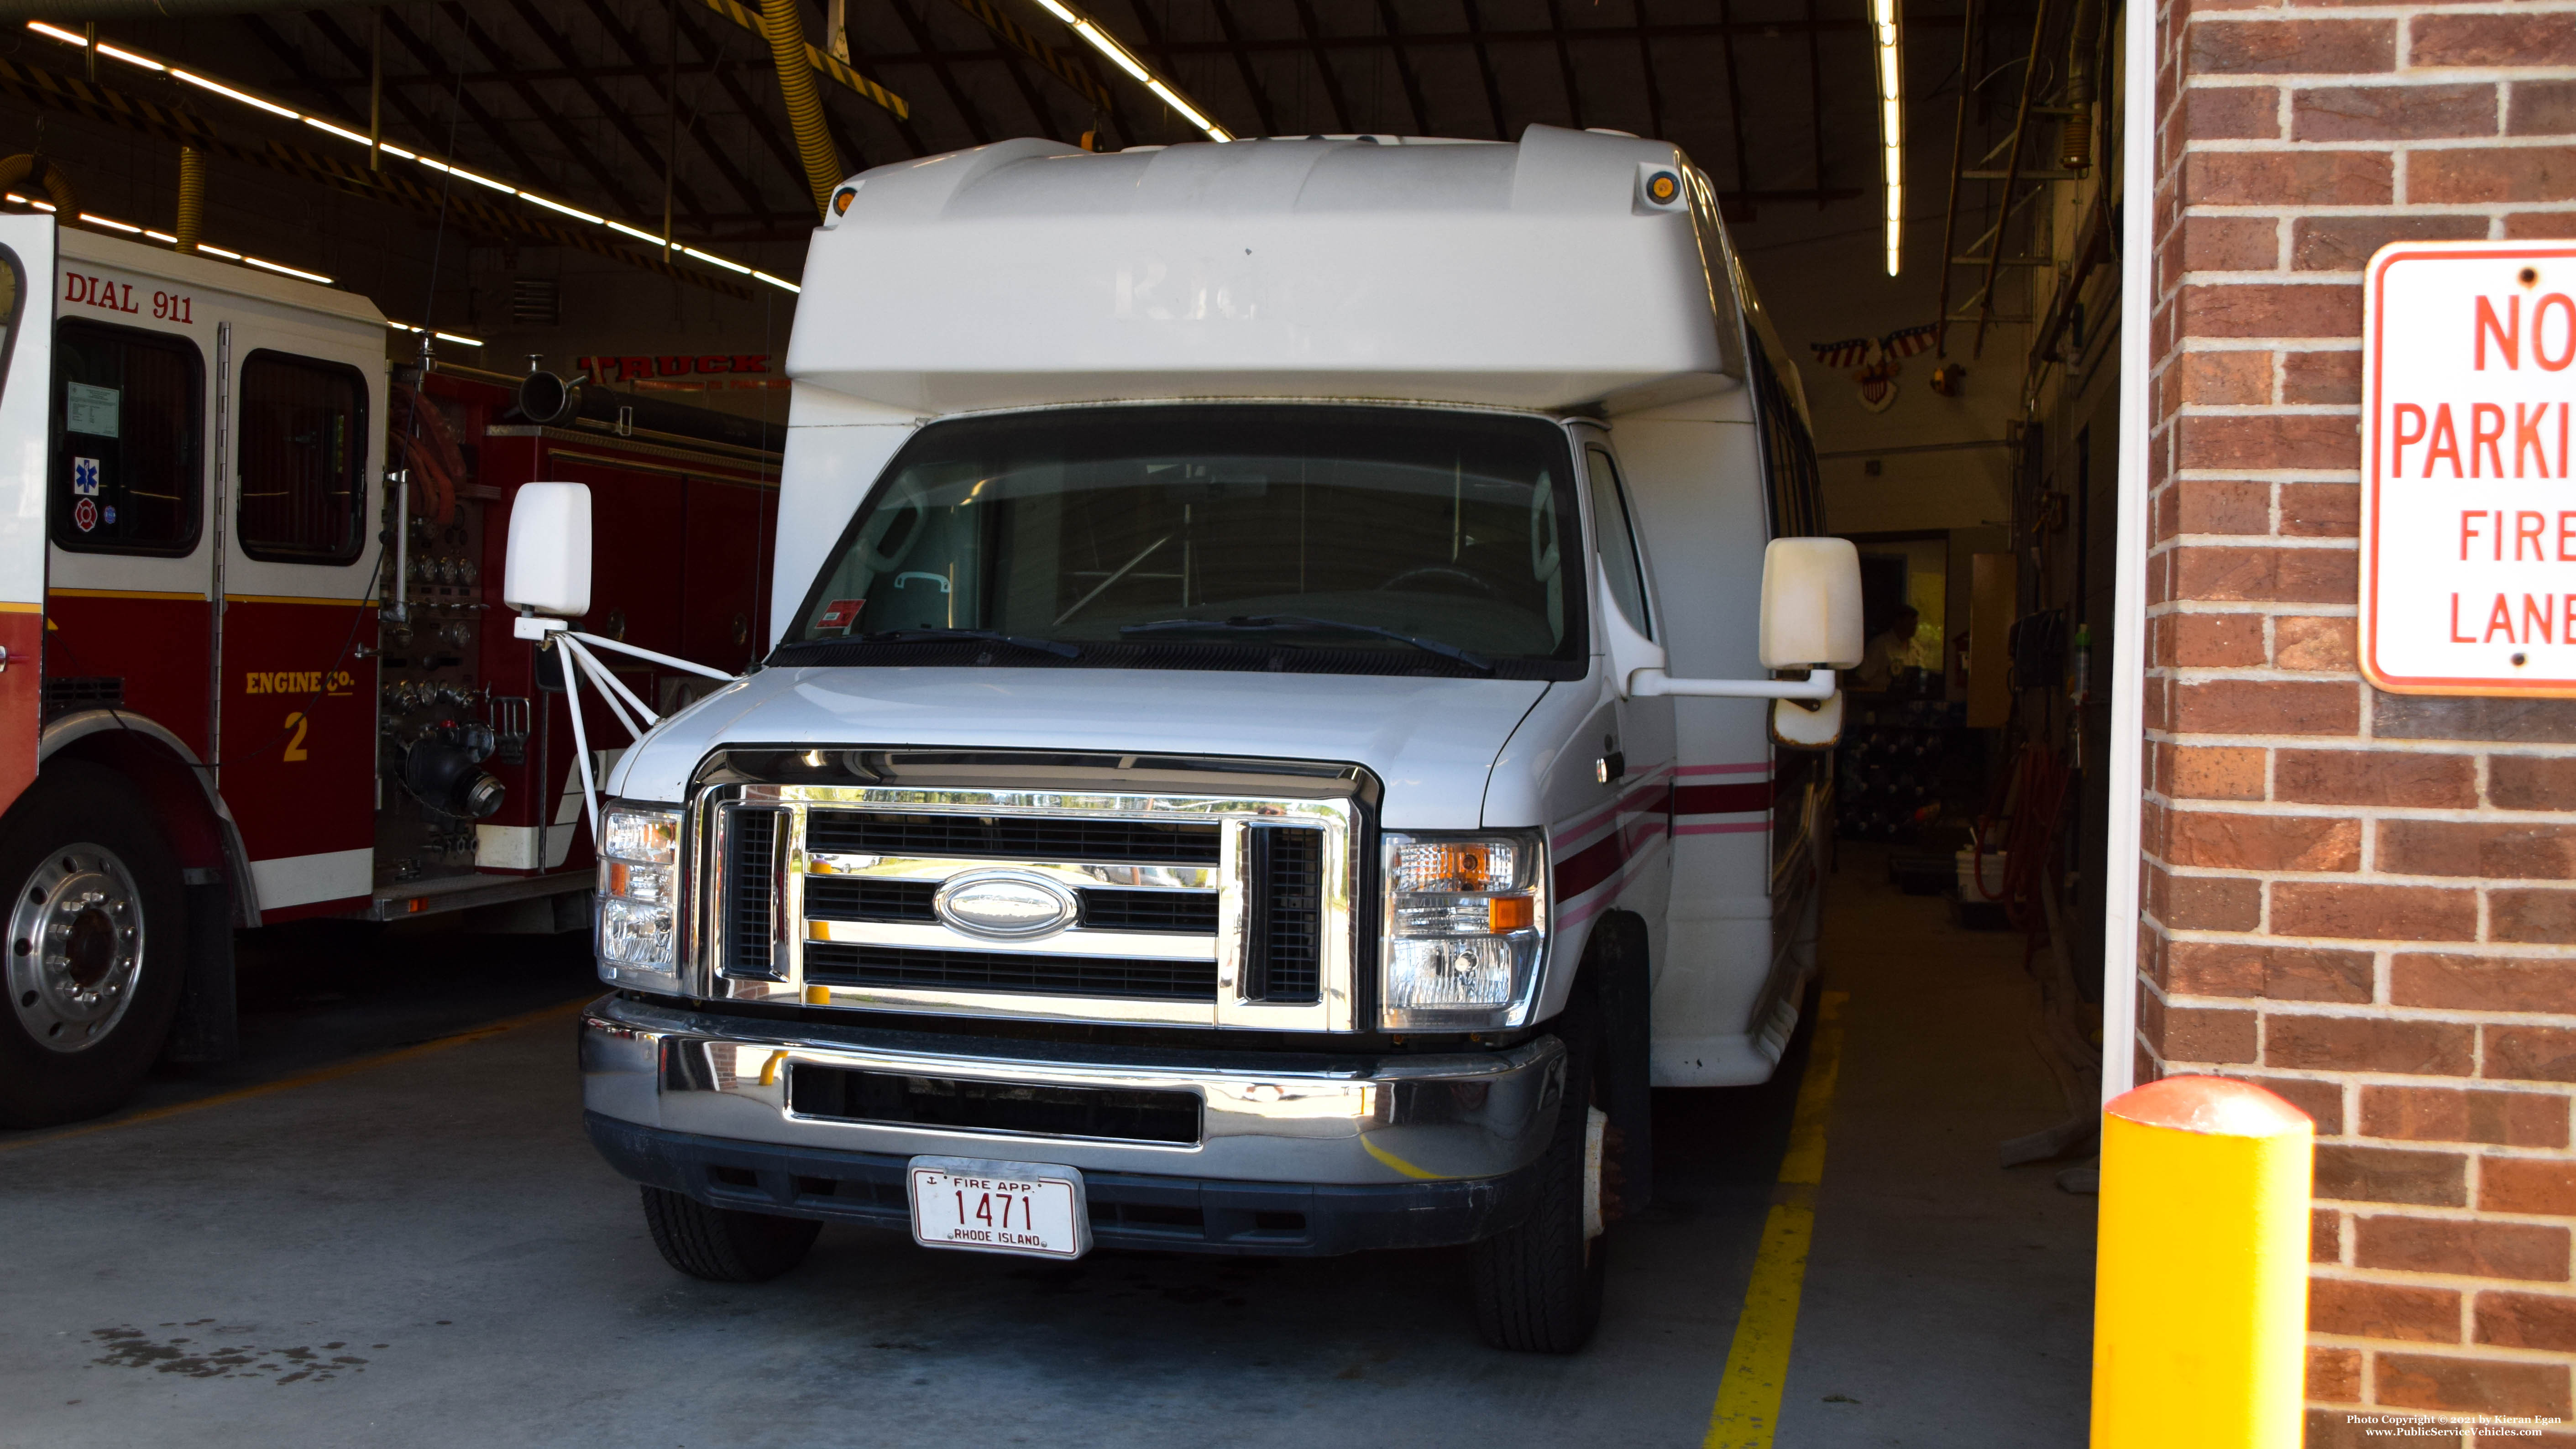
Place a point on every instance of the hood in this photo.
(1431, 742)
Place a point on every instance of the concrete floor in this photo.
(425, 1252)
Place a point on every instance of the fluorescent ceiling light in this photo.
(719, 261)
(566, 210)
(1098, 38)
(319, 124)
(1887, 32)
(161, 236)
(228, 93)
(779, 282)
(452, 337)
(1101, 40)
(94, 219)
(289, 271)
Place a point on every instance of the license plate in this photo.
(1030, 1208)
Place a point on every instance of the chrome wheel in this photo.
(75, 947)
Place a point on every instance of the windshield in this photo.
(1284, 537)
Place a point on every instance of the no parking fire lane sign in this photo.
(2468, 511)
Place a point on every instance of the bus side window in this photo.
(1621, 567)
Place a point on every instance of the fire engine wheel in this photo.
(1538, 1285)
(722, 1245)
(94, 958)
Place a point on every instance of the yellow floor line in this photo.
(1757, 1363)
(306, 1079)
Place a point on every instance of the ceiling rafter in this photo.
(1565, 66)
(1030, 96)
(1479, 34)
(1485, 65)
(1816, 96)
(1076, 75)
(716, 65)
(919, 28)
(427, 130)
(751, 103)
(1153, 48)
(1646, 64)
(1225, 19)
(1395, 41)
(1313, 31)
(721, 156)
(904, 125)
(618, 117)
(1734, 97)
(502, 136)
(465, 206)
(582, 150)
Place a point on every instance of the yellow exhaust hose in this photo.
(786, 32)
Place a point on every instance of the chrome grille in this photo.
(837, 965)
(1011, 838)
(1145, 906)
(749, 891)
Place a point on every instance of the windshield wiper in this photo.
(1290, 623)
(1055, 647)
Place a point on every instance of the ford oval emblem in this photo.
(1007, 904)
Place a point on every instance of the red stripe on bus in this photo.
(1722, 799)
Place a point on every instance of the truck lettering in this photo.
(297, 681)
(99, 292)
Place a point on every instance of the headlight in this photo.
(1466, 930)
(639, 867)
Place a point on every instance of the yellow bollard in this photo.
(2200, 1300)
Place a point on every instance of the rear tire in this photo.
(95, 950)
(1538, 1284)
(723, 1245)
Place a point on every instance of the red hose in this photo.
(2036, 791)
(428, 443)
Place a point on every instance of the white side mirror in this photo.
(1810, 604)
(1798, 724)
(547, 567)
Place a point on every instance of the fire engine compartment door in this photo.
(297, 522)
(26, 373)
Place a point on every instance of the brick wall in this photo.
(2366, 902)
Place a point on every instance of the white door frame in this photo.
(2124, 851)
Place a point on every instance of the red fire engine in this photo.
(253, 660)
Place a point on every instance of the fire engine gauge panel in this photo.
(437, 725)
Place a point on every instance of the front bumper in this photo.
(1411, 1150)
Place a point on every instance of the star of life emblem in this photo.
(85, 477)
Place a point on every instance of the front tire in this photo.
(95, 954)
(723, 1245)
(1538, 1284)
